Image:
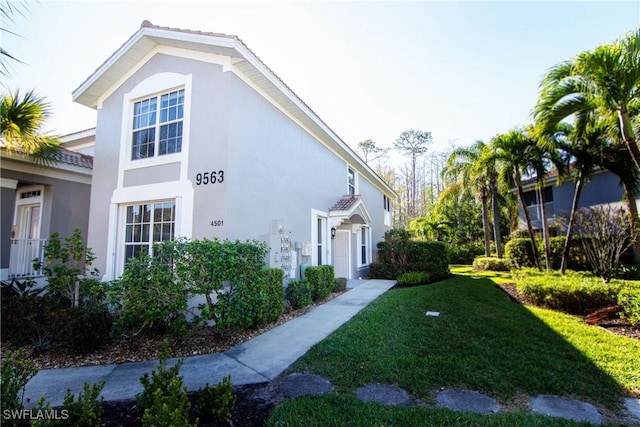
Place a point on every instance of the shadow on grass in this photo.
(482, 340)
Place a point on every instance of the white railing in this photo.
(23, 252)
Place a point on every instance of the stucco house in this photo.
(40, 199)
(603, 188)
(197, 137)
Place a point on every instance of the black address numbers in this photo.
(213, 177)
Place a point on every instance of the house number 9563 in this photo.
(213, 177)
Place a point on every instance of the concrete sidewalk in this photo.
(258, 360)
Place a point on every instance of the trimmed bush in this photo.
(629, 300)
(216, 403)
(398, 254)
(465, 253)
(321, 278)
(414, 278)
(274, 302)
(519, 253)
(299, 293)
(574, 293)
(340, 284)
(491, 264)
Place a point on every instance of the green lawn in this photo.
(481, 341)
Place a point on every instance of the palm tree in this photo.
(509, 150)
(601, 81)
(465, 166)
(22, 119)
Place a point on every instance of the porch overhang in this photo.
(349, 209)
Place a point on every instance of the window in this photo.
(364, 248)
(157, 125)
(146, 224)
(351, 181)
(386, 203)
(320, 241)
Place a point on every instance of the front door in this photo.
(341, 258)
(25, 234)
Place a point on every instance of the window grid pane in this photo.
(146, 224)
(163, 129)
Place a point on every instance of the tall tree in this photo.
(600, 81)
(370, 150)
(22, 119)
(510, 149)
(465, 165)
(414, 144)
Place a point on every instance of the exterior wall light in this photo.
(333, 233)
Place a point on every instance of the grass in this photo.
(481, 341)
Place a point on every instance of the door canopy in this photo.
(348, 210)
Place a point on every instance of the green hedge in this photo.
(574, 292)
(491, 264)
(518, 251)
(414, 278)
(299, 293)
(465, 253)
(629, 300)
(398, 254)
(321, 278)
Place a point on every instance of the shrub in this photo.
(28, 320)
(397, 254)
(64, 264)
(83, 330)
(146, 297)
(413, 278)
(340, 284)
(629, 300)
(216, 403)
(321, 278)
(163, 398)
(491, 264)
(464, 253)
(519, 253)
(85, 412)
(15, 373)
(299, 293)
(574, 292)
(274, 302)
(20, 288)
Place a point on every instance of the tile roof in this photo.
(76, 159)
(345, 203)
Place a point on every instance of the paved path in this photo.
(258, 360)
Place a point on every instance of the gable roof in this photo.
(243, 61)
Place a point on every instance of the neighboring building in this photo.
(603, 188)
(38, 200)
(197, 137)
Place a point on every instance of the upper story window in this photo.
(157, 125)
(386, 203)
(351, 181)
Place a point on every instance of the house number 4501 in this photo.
(213, 177)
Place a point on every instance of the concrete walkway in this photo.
(258, 360)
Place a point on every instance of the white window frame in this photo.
(158, 123)
(150, 241)
(351, 171)
(366, 230)
(155, 85)
(324, 243)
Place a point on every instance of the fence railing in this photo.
(23, 252)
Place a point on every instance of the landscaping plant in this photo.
(84, 412)
(216, 403)
(15, 373)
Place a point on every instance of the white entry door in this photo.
(341, 254)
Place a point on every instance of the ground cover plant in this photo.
(482, 341)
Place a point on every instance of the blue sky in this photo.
(461, 70)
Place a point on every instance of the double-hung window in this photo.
(351, 181)
(157, 125)
(146, 224)
(364, 247)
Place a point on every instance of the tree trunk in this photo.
(485, 224)
(545, 227)
(496, 217)
(572, 219)
(628, 135)
(532, 239)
